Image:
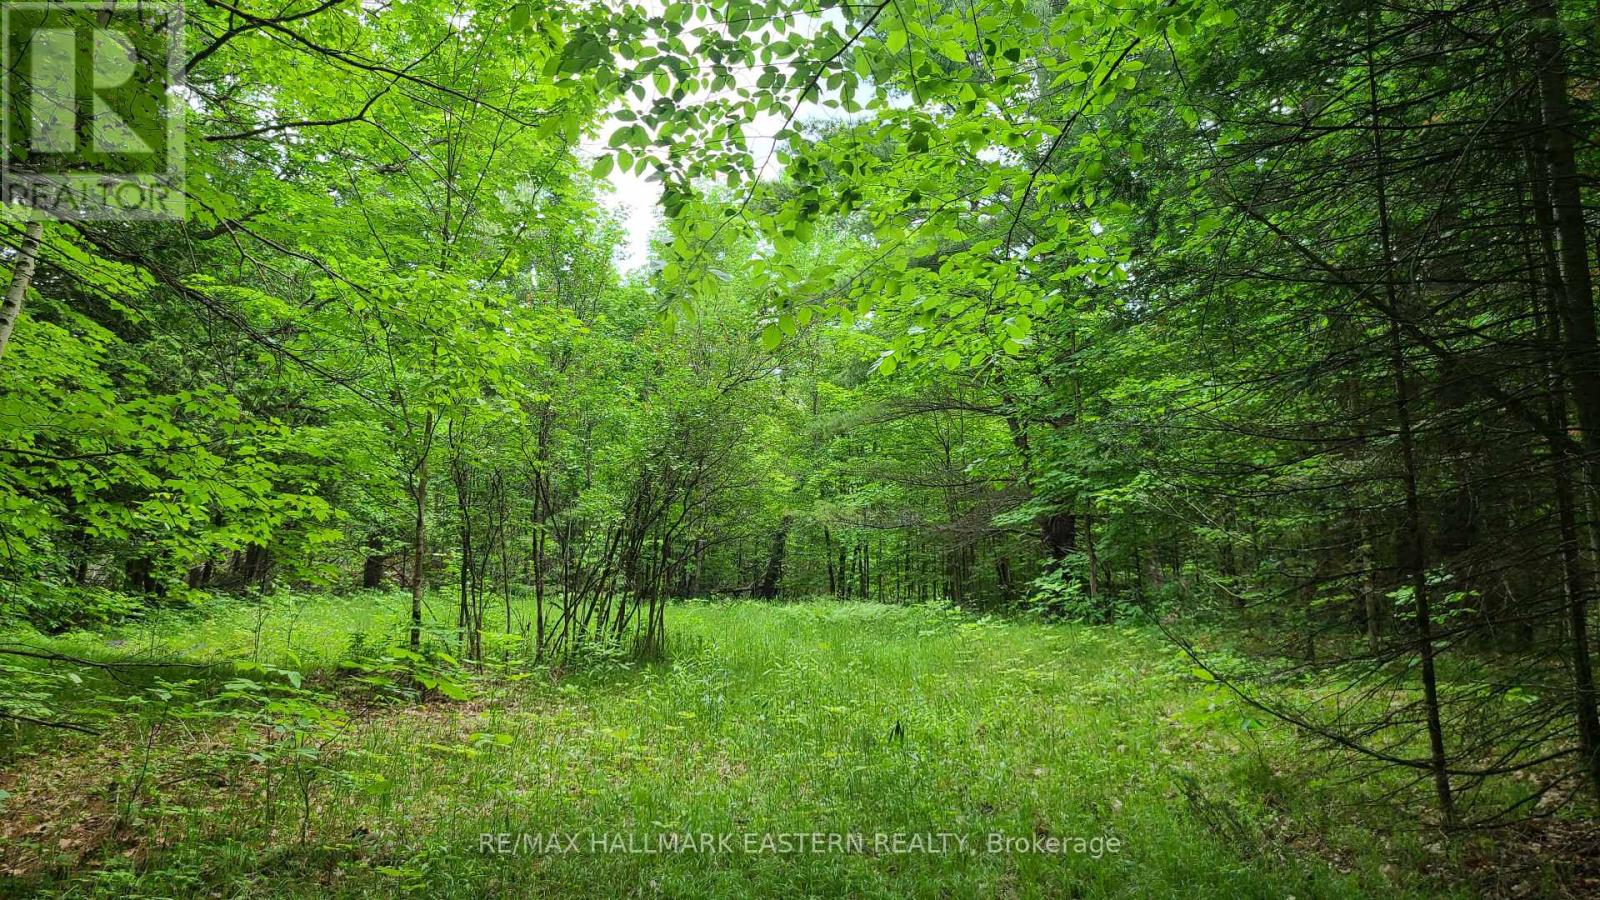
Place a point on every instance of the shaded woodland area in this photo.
(1266, 326)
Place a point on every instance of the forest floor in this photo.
(951, 756)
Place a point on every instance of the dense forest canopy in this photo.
(1266, 319)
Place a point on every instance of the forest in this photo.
(851, 448)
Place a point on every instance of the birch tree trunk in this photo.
(21, 277)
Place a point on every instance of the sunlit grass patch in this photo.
(767, 720)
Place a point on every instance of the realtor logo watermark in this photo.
(787, 843)
(92, 124)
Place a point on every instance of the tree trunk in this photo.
(21, 277)
(1560, 194)
(419, 542)
(1576, 298)
(1060, 531)
(1415, 557)
(372, 569)
(772, 573)
(827, 554)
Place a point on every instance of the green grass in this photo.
(820, 717)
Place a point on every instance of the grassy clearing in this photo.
(769, 720)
